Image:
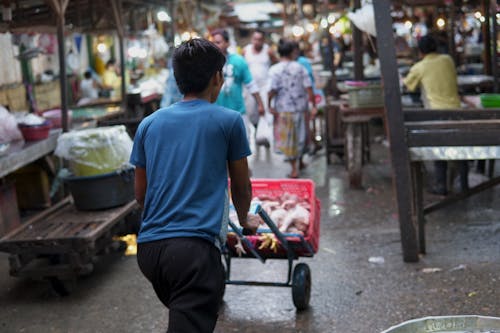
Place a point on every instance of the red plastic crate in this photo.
(303, 188)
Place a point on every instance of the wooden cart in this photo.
(61, 243)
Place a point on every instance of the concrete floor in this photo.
(459, 275)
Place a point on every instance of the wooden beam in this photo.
(58, 6)
(357, 43)
(494, 47)
(459, 114)
(118, 15)
(462, 195)
(453, 137)
(399, 151)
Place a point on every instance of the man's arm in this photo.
(272, 56)
(140, 185)
(312, 102)
(270, 95)
(260, 104)
(241, 192)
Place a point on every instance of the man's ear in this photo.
(218, 78)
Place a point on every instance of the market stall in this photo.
(73, 234)
(469, 130)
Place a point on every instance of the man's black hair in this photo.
(194, 63)
(221, 32)
(260, 31)
(427, 44)
(110, 62)
(87, 74)
(285, 47)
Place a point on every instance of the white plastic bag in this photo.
(95, 151)
(8, 127)
(364, 19)
(264, 132)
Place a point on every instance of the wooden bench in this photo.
(61, 242)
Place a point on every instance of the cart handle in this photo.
(246, 241)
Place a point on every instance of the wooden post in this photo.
(357, 42)
(494, 46)
(452, 50)
(399, 150)
(485, 4)
(118, 16)
(354, 154)
(59, 7)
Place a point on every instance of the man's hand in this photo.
(261, 109)
(314, 112)
(274, 112)
(251, 224)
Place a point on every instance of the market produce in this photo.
(290, 213)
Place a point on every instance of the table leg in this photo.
(354, 144)
(418, 206)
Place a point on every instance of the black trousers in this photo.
(441, 169)
(188, 277)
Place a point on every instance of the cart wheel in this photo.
(61, 287)
(301, 286)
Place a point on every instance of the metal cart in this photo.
(290, 246)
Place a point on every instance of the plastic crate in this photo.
(304, 189)
(367, 96)
(490, 100)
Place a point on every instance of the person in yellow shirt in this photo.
(436, 76)
(110, 79)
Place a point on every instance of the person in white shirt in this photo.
(259, 56)
(88, 88)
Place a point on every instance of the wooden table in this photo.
(448, 135)
(21, 153)
(357, 141)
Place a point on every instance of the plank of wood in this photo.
(458, 114)
(452, 137)
(396, 132)
(471, 124)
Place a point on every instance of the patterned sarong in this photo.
(290, 134)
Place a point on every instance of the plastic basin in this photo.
(455, 324)
(102, 191)
(55, 117)
(490, 100)
(35, 132)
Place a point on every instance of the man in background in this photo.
(436, 76)
(236, 75)
(259, 56)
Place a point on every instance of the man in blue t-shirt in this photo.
(183, 154)
(236, 74)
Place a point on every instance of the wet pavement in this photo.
(459, 275)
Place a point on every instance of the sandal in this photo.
(292, 176)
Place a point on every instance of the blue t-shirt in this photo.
(236, 73)
(185, 149)
(307, 64)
